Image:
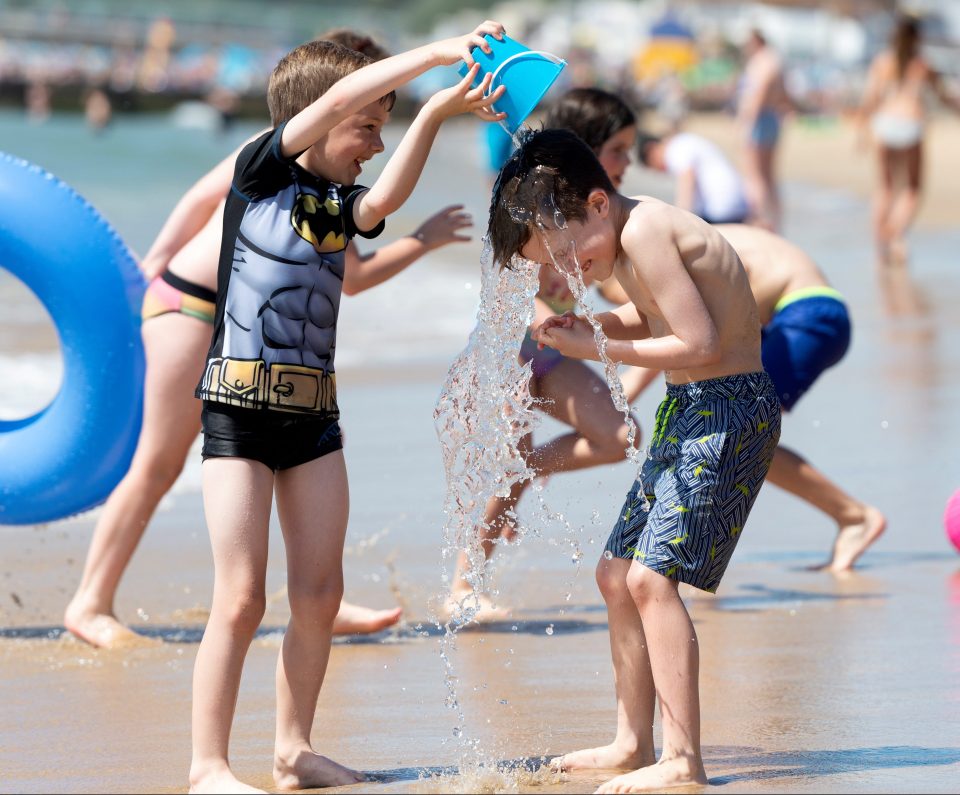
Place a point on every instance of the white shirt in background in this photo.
(719, 196)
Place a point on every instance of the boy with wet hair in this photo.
(270, 413)
(565, 389)
(692, 315)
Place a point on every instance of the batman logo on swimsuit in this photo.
(318, 222)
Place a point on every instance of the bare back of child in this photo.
(806, 330)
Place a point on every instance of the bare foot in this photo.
(308, 770)
(102, 629)
(469, 606)
(607, 757)
(357, 620)
(221, 781)
(854, 539)
(680, 771)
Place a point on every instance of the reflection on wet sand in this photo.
(797, 660)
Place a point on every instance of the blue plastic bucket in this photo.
(527, 74)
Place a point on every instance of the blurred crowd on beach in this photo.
(209, 60)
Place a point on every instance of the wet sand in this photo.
(810, 682)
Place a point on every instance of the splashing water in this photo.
(562, 247)
(484, 411)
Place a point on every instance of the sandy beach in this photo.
(829, 152)
(810, 682)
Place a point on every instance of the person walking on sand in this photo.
(178, 312)
(761, 104)
(893, 104)
(270, 415)
(692, 314)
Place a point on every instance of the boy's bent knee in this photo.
(316, 604)
(611, 578)
(646, 585)
(613, 446)
(243, 614)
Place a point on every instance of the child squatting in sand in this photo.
(693, 316)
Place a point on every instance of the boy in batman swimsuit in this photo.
(178, 313)
(270, 414)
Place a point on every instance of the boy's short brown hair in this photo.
(557, 162)
(306, 73)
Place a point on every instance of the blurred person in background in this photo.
(898, 83)
(706, 182)
(762, 102)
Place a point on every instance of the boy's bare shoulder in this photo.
(651, 220)
(649, 214)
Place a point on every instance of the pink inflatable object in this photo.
(951, 519)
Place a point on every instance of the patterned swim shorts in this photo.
(712, 445)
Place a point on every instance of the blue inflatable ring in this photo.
(69, 456)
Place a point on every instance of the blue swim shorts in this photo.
(711, 447)
(809, 332)
(766, 129)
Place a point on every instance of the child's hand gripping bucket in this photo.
(527, 74)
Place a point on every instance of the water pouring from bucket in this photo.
(527, 74)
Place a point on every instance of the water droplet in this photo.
(884, 424)
(549, 629)
(513, 628)
(467, 285)
(142, 614)
(607, 554)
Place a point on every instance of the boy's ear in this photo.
(598, 202)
